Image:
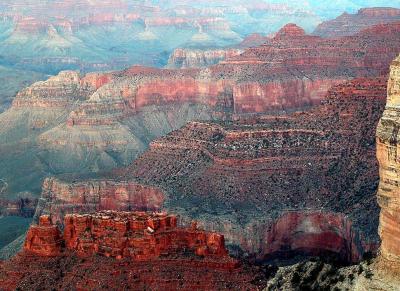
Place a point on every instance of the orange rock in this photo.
(137, 235)
(44, 239)
(388, 156)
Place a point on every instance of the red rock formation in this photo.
(313, 233)
(292, 70)
(350, 24)
(139, 236)
(43, 240)
(289, 31)
(277, 160)
(135, 250)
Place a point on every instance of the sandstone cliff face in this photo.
(350, 24)
(387, 148)
(138, 250)
(44, 239)
(295, 68)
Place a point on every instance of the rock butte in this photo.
(145, 251)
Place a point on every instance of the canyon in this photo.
(102, 121)
(307, 228)
(261, 147)
(198, 58)
(206, 172)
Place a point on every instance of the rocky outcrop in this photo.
(139, 236)
(44, 239)
(275, 160)
(350, 24)
(115, 244)
(314, 233)
(388, 191)
(300, 69)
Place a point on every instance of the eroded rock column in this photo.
(388, 153)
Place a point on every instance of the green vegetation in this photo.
(12, 227)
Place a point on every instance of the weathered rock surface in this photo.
(136, 250)
(295, 69)
(387, 275)
(350, 24)
(103, 121)
(119, 120)
(44, 239)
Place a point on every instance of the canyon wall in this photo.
(350, 24)
(102, 121)
(296, 164)
(387, 149)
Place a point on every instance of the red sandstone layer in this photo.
(144, 251)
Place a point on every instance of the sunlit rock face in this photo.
(99, 250)
(387, 153)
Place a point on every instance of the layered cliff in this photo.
(388, 191)
(218, 173)
(107, 250)
(103, 121)
(294, 70)
(36, 109)
(350, 24)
